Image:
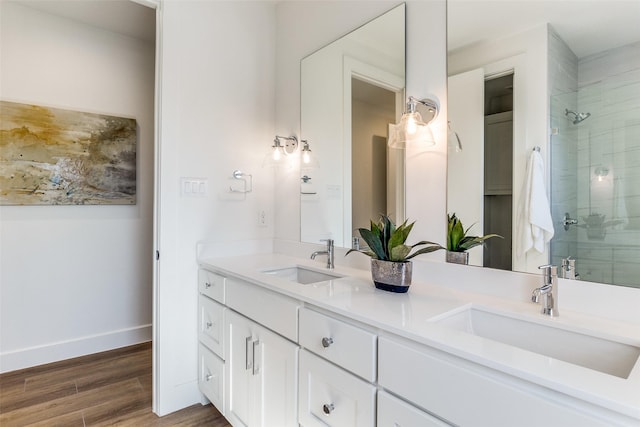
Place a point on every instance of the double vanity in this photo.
(284, 341)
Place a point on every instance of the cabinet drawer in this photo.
(350, 347)
(464, 393)
(212, 285)
(211, 377)
(330, 396)
(393, 412)
(277, 312)
(211, 325)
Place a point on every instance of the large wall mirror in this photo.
(561, 79)
(351, 90)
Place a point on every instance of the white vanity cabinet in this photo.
(261, 371)
(464, 393)
(393, 412)
(337, 372)
(211, 355)
(248, 351)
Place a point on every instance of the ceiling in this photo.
(120, 16)
(587, 26)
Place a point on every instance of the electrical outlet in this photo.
(262, 218)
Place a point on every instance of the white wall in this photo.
(75, 280)
(217, 115)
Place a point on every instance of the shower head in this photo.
(577, 117)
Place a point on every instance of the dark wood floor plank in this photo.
(116, 406)
(112, 388)
(73, 419)
(109, 372)
(34, 396)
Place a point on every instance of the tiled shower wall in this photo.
(607, 168)
(563, 164)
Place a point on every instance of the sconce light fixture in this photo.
(411, 127)
(601, 172)
(279, 152)
(453, 138)
(308, 160)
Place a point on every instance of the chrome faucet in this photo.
(328, 253)
(548, 291)
(568, 269)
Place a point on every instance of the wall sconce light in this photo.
(453, 138)
(411, 127)
(308, 160)
(279, 152)
(601, 172)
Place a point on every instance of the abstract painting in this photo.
(51, 156)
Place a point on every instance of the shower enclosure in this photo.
(595, 178)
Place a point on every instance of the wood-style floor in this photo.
(104, 389)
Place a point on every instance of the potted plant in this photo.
(459, 242)
(390, 257)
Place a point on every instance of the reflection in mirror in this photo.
(566, 83)
(351, 90)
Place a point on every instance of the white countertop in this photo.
(410, 316)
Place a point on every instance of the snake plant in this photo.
(386, 241)
(457, 238)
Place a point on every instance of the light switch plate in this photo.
(193, 187)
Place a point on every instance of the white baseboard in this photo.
(54, 352)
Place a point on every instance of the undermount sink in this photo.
(603, 355)
(302, 275)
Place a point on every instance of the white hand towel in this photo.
(534, 222)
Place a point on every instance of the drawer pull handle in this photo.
(326, 342)
(328, 408)
(209, 325)
(208, 377)
(207, 285)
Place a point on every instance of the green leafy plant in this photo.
(387, 242)
(457, 238)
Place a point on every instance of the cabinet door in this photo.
(279, 380)
(240, 399)
(262, 375)
(330, 396)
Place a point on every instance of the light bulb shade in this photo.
(274, 158)
(412, 128)
(307, 159)
(280, 152)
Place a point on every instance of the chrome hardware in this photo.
(241, 176)
(535, 295)
(256, 357)
(355, 243)
(208, 377)
(567, 221)
(548, 291)
(248, 354)
(207, 285)
(568, 269)
(326, 342)
(328, 408)
(209, 325)
(328, 253)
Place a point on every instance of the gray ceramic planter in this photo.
(458, 257)
(391, 276)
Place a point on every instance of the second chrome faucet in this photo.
(548, 292)
(328, 253)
